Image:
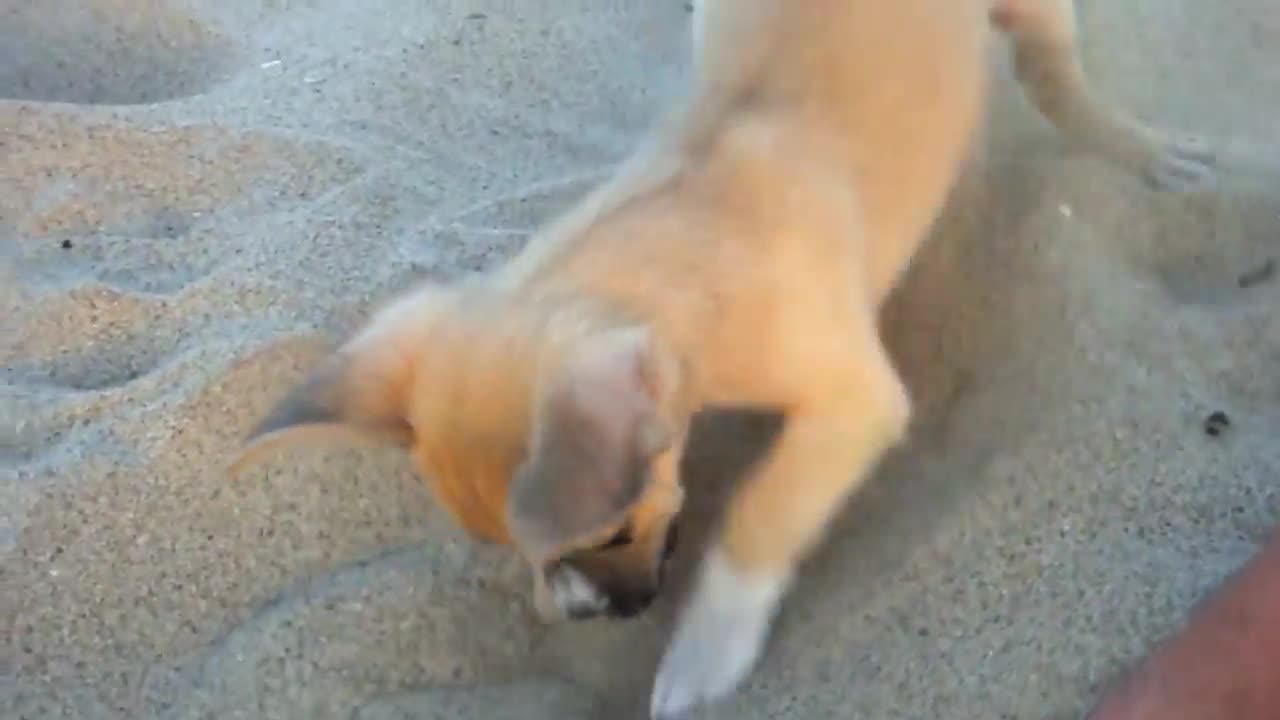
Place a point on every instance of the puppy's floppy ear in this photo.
(358, 393)
(596, 427)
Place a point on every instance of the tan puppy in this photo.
(739, 259)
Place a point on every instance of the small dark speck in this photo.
(477, 16)
(923, 632)
(1216, 423)
(66, 245)
(1258, 275)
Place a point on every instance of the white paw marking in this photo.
(718, 638)
(1183, 166)
(575, 595)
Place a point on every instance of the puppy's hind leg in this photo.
(1047, 62)
(849, 409)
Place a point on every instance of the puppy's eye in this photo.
(619, 539)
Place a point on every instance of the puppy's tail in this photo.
(359, 393)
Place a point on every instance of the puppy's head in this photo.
(593, 506)
(584, 483)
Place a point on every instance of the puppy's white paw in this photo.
(717, 640)
(1182, 166)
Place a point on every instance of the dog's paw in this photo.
(1182, 166)
(717, 641)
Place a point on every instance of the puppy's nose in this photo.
(629, 605)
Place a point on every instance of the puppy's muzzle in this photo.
(581, 599)
(629, 604)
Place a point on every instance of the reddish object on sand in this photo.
(1223, 665)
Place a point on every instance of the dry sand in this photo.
(198, 197)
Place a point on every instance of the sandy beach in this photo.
(199, 198)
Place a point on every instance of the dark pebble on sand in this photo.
(1258, 275)
(1216, 423)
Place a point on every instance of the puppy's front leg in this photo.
(837, 429)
